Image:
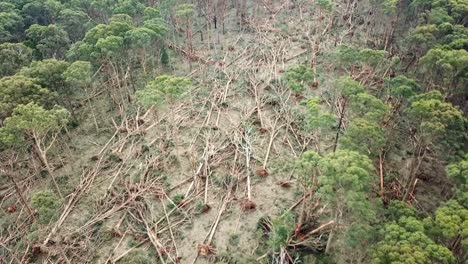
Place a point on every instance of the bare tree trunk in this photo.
(340, 124)
(43, 157)
(20, 193)
(330, 236)
(415, 165)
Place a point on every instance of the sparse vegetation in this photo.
(143, 131)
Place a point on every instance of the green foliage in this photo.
(402, 87)
(46, 204)
(13, 56)
(307, 167)
(451, 222)
(177, 199)
(348, 87)
(439, 15)
(435, 120)
(398, 209)
(18, 90)
(458, 173)
(48, 73)
(364, 136)
(345, 182)
(281, 229)
(40, 12)
(78, 74)
(50, 41)
(163, 89)
(317, 118)
(405, 242)
(349, 57)
(129, 7)
(390, 6)
(368, 106)
(325, 4)
(11, 24)
(36, 122)
(185, 10)
(164, 57)
(74, 22)
(140, 37)
(448, 65)
(110, 46)
(298, 78)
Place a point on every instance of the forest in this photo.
(234, 131)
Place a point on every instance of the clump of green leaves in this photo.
(13, 56)
(163, 89)
(364, 137)
(458, 172)
(450, 224)
(346, 181)
(436, 120)
(46, 204)
(405, 241)
(317, 118)
(18, 90)
(281, 230)
(299, 77)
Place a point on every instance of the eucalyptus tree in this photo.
(405, 241)
(346, 89)
(40, 127)
(365, 137)
(164, 89)
(361, 63)
(185, 13)
(11, 23)
(40, 12)
(50, 41)
(458, 173)
(298, 78)
(74, 22)
(17, 90)
(319, 120)
(345, 186)
(13, 56)
(449, 68)
(449, 226)
(50, 73)
(436, 126)
(121, 47)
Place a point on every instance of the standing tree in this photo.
(49, 41)
(405, 241)
(162, 90)
(435, 125)
(346, 88)
(185, 12)
(345, 183)
(41, 126)
(11, 23)
(16, 90)
(298, 78)
(458, 173)
(365, 137)
(74, 22)
(13, 56)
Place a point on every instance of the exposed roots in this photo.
(248, 205)
(261, 173)
(206, 250)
